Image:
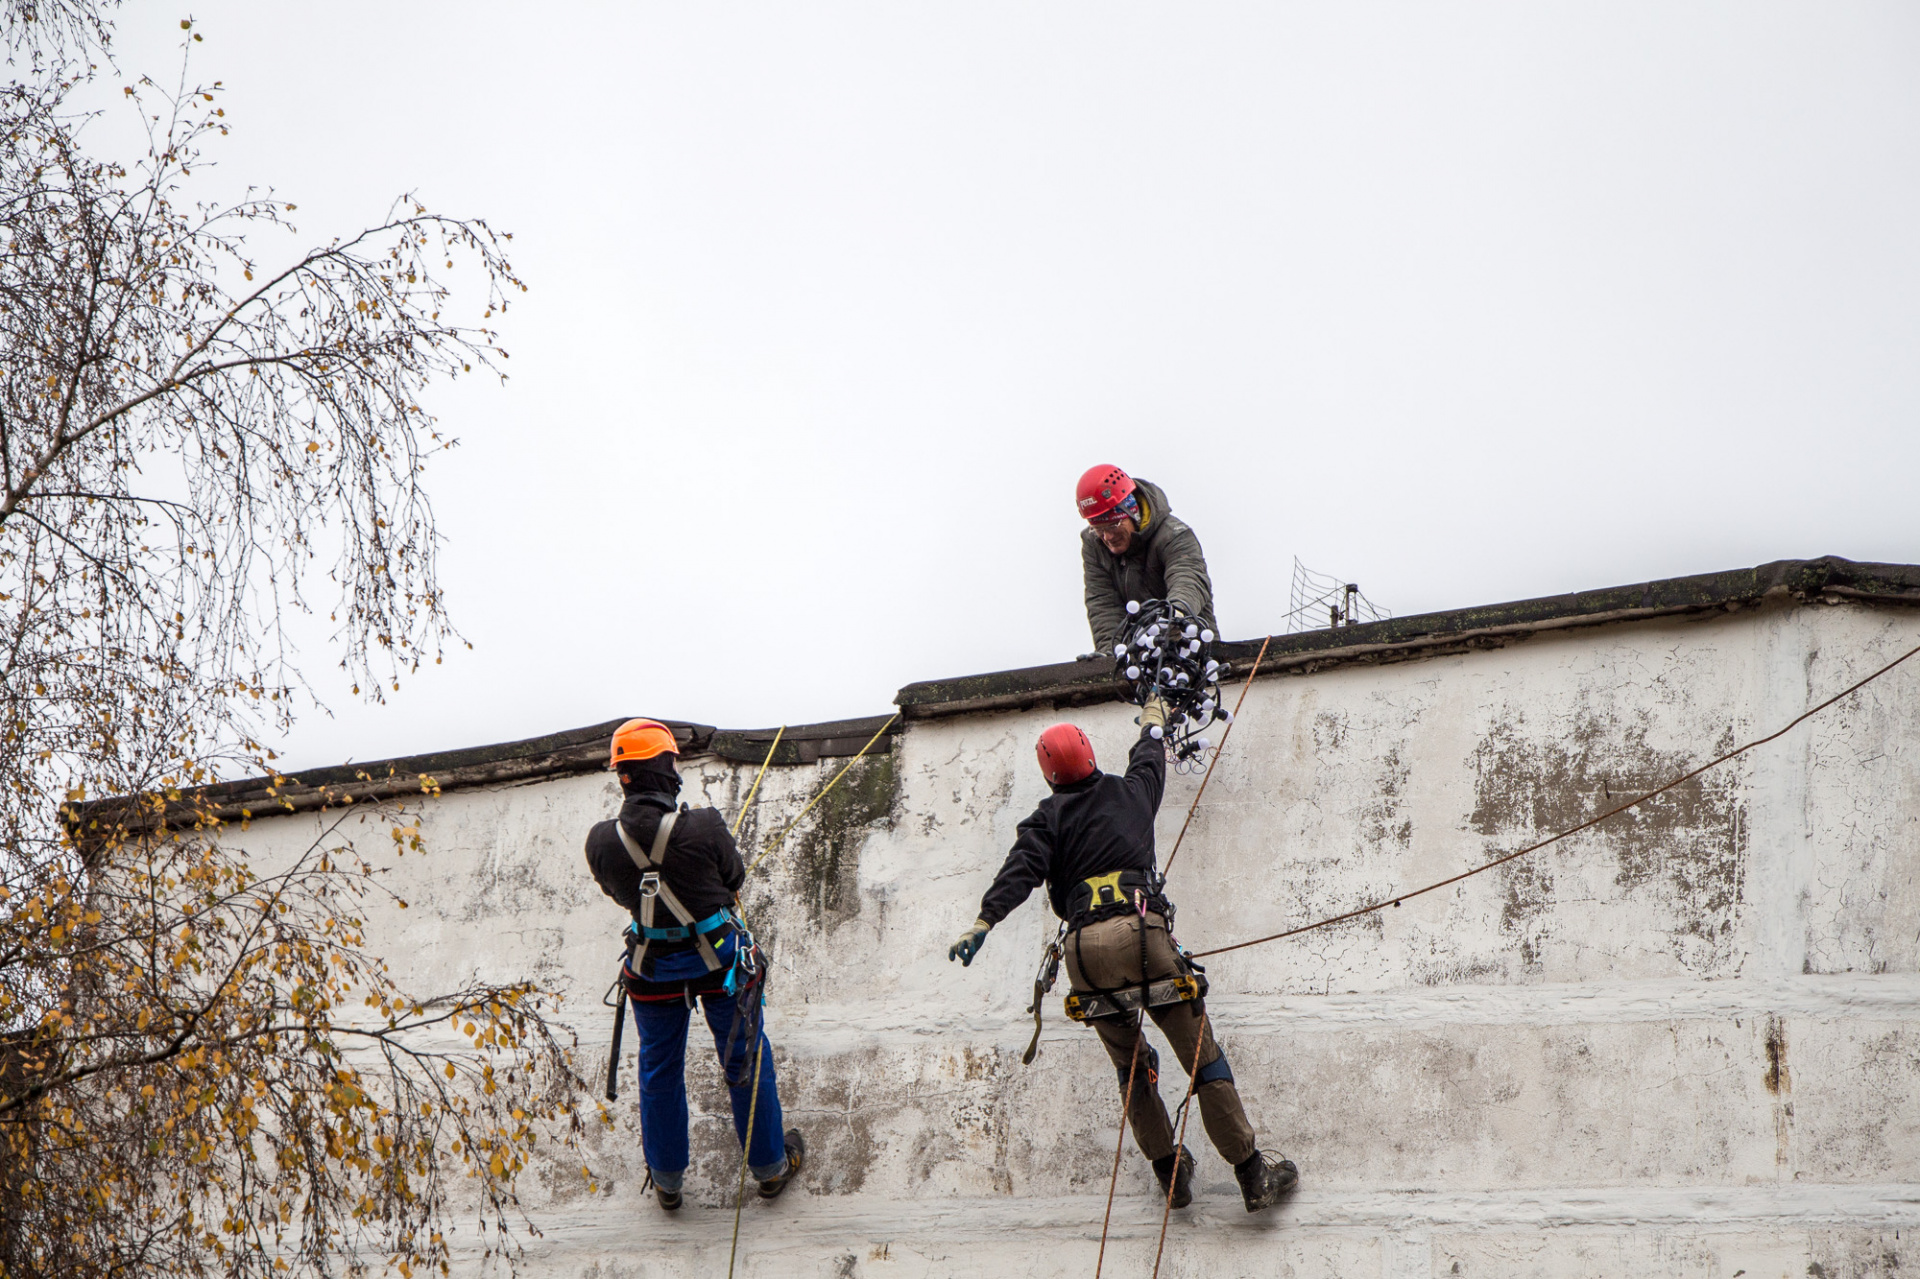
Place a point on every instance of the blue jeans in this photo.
(663, 1089)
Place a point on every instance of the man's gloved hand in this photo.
(1153, 714)
(969, 943)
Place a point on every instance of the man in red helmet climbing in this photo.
(1091, 843)
(1134, 549)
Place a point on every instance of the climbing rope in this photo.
(754, 789)
(746, 1146)
(1224, 735)
(1126, 1108)
(1395, 900)
(759, 1048)
(823, 792)
(1179, 1143)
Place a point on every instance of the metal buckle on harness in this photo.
(650, 884)
(1173, 990)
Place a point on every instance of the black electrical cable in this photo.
(1167, 652)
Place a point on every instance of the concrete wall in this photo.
(1687, 1043)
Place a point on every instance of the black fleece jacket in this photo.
(1093, 827)
(702, 866)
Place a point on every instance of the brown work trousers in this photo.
(1106, 956)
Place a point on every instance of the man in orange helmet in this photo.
(1091, 843)
(677, 871)
(1134, 549)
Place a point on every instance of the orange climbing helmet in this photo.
(642, 739)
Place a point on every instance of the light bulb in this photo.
(1119, 650)
(1133, 672)
(1156, 732)
(1206, 637)
(1133, 606)
(1192, 630)
(1203, 744)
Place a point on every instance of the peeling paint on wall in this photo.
(1596, 1061)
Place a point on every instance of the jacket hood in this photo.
(1156, 498)
(1157, 510)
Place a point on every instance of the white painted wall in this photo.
(1560, 1068)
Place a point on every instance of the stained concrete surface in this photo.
(1686, 1043)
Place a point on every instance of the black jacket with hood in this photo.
(1097, 825)
(1163, 562)
(702, 865)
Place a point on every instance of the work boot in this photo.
(796, 1159)
(1263, 1181)
(1175, 1172)
(669, 1199)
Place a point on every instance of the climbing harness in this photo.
(1117, 893)
(745, 980)
(1166, 652)
(1097, 898)
(1090, 1005)
(653, 888)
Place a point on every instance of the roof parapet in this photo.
(1082, 683)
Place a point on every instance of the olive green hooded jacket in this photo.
(1164, 562)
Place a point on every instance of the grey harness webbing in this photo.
(652, 886)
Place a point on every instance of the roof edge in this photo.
(1421, 635)
(567, 753)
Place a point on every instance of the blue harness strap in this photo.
(709, 924)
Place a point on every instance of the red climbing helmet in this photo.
(1066, 756)
(1102, 491)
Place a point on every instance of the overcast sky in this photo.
(832, 303)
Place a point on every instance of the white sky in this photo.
(832, 303)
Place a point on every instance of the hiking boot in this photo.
(1263, 1181)
(1175, 1172)
(796, 1160)
(669, 1199)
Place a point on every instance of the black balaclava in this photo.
(655, 776)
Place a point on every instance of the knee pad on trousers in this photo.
(1152, 1071)
(1214, 1071)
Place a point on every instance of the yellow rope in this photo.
(746, 1147)
(755, 788)
(823, 792)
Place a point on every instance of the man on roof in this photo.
(1134, 549)
(1091, 843)
(677, 871)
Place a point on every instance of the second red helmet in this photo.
(1101, 490)
(1066, 756)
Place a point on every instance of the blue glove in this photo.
(969, 944)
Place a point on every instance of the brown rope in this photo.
(1225, 734)
(1594, 821)
(1179, 1143)
(1126, 1108)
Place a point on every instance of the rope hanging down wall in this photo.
(1395, 900)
